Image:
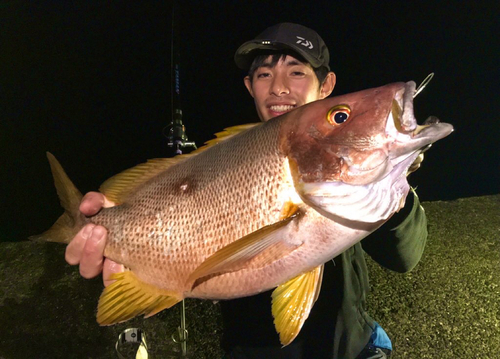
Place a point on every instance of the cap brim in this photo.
(244, 56)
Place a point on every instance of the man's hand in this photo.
(416, 164)
(87, 248)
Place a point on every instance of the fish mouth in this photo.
(410, 137)
(373, 191)
(404, 141)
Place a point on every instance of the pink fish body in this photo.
(262, 208)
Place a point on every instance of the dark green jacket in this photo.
(338, 325)
(398, 245)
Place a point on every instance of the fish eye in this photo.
(338, 114)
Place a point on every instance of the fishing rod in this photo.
(176, 136)
(177, 139)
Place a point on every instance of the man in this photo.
(288, 66)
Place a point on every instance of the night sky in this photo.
(90, 82)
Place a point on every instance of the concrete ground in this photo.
(447, 307)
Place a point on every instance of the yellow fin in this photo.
(71, 221)
(129, 297)
(289, 209)
(292, 302)
(118, 187)
(233, 256)
(222, 136)
(226, 134)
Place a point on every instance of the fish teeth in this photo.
(281, 108)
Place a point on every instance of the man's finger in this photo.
(74, 249)
(416, 164)
(93, 253)
(92, 203)
(108, 269)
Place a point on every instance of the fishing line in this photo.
(423, 84)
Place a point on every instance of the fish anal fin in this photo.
(292, 302)
(260, 248)
(129, 297)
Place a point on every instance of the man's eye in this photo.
(297, 73)
(263, 75)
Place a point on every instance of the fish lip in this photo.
(432, 133)
(406, 123)
(404, 98)
(432, 128)
(410, 138)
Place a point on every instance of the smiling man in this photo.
(281, 82)
(288, 66)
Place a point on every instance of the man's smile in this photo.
(280, 108)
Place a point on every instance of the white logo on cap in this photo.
(304, 42)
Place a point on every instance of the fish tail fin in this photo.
(72, 220)
(129, 297)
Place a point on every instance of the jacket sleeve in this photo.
(398, 245)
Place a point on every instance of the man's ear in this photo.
(327, 85)
(248, 85)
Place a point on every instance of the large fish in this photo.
(262, 206)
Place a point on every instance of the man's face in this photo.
(279, 89)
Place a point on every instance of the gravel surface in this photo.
(447, 307)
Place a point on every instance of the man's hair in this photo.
(261, 59)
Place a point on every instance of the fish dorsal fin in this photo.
(225, 135)
(251, 247)
(292, 302)
(118, 187)
(129, 297)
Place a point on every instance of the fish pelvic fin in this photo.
(71, 221)
(129, 297)
(292, 302)
(260, 248)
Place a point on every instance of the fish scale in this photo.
(254, 201)
(259, 207)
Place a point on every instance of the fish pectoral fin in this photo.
(129, 297)
(235, 255)
(292, 302)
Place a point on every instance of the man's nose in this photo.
(279, 87)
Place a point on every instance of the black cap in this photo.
(286, 36)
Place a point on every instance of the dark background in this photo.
(90, 82)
